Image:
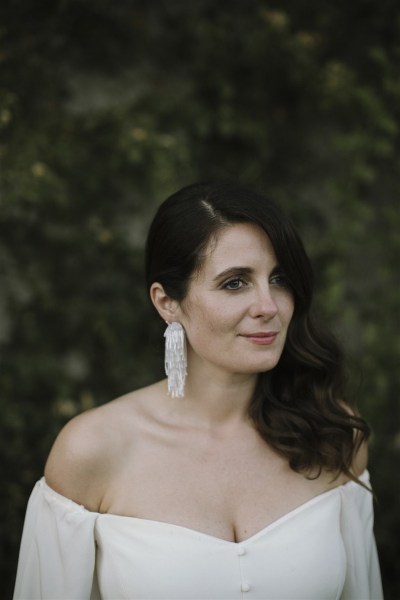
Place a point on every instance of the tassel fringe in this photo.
(175, 359)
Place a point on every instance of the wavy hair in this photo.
(300, 407)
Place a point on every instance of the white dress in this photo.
(322, 550)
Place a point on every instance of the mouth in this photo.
(261, 338)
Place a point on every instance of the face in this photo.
(238, 307)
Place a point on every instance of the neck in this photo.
(216, 398)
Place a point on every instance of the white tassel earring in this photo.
(175, 359)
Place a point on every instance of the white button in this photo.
(241, 551)
(245, 587)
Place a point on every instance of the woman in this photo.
(240, 476)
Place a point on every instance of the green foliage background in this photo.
(106, 108)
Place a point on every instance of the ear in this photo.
(166, 307)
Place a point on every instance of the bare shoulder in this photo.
(91, 447)
(75, 461)
(360, 460)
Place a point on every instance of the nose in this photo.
(264, 304)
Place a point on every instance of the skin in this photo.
(197, 461)
(238, 292)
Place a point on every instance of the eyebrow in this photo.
(237, 271)
(233, 271)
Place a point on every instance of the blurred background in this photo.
(107, 107)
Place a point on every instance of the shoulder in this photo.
(360, 460)
(360, 457)
(360, 444)
(78, 459)
(90, 448)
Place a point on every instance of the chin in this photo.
(259, 368)
(267, 366)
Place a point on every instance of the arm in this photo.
(57, 554)
(363, 578)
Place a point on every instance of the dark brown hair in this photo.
(299, 407)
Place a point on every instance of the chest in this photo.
(228, 490)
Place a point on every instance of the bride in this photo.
(240, 475)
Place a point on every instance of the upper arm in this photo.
(75, 467)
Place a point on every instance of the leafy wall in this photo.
(106, 108)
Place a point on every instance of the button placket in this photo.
(241, 552)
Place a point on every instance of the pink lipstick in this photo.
(261, 338)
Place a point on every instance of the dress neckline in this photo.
(252, 538)
(192, 531)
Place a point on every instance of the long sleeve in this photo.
(363, 578)
(57, 554)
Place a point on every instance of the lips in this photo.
(261, 337)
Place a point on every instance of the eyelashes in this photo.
(238, 283)
(279, 279)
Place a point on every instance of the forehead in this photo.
(239, 244)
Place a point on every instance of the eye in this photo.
(234, 284)
(279, 279)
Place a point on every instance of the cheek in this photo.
(212, 321)
(290, 311)
(287, 308)
(225, 316)
(289, 317)
(203, 318)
